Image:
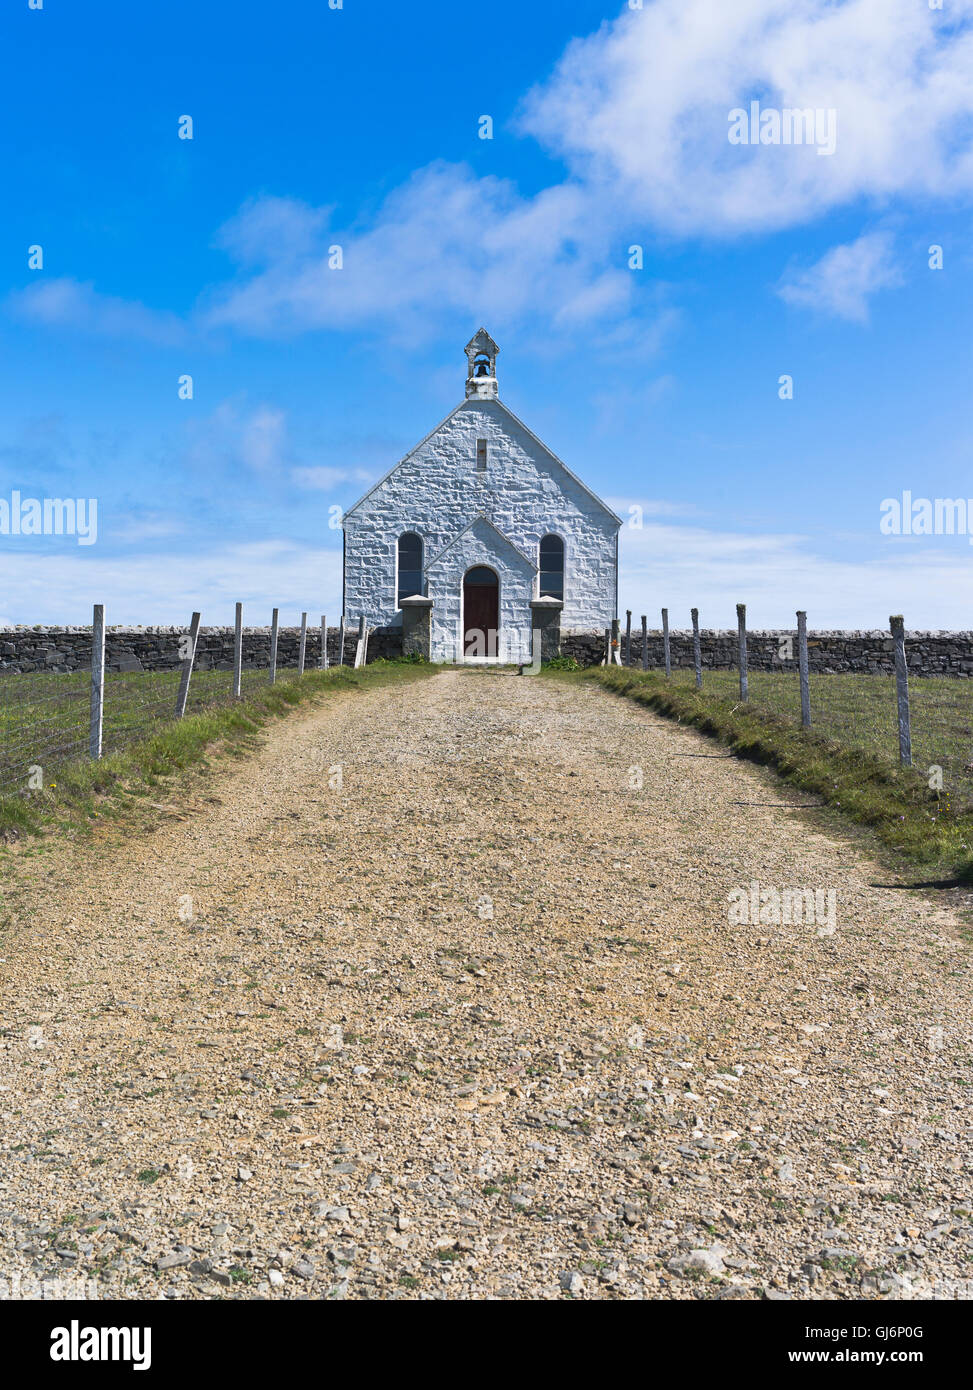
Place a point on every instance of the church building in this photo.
(480, 536)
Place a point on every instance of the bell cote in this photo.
(481, 377)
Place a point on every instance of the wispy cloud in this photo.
(263, 439)
(444, 241)
(679, 566)
(652, 506)
(150, 588)
(237, 435)
(687, 566)
(324, 479)
(841, 282)
(76, 305)
(638, 113)
(136, 528)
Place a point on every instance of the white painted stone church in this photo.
(480, 535)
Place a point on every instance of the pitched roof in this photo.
(487, 522)
(560, 462)
(517, 421)
(481, 342)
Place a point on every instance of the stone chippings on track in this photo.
(475, 1023)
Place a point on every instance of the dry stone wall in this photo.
(928, 653)
(157, 648)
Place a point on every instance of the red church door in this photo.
(481, 611)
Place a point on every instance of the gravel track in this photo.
(469, 1018)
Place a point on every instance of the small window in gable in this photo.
(481, 455)
(552, 568)
(410, 566)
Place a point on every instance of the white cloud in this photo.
(152, 588)
(235, 435)
(323, 479)
(268, 230)
(262, 439)
(679, 566)
(683, 567)
(67, 303)
(638, 112)
(445, 240)
(842, 280)
(640, 109)
(652, 506)
(136, 528)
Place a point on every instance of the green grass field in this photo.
(150, 747)
(44, 716)
(859, 711)
(850, 754)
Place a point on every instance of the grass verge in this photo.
(893, 801)
(82, 793)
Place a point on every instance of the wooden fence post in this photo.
(273, 645)
(628, 636)
(897, 626)
(238, 651)
(697, 651)
(361, 646)
(323, 659)
(303, 646)
(665, 641)
(645, 643)
(802, 667)
(742, 650)
(608, 646)
(97, 680)
(616, 654)
(187, 666)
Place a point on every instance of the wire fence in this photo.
(47, 715)
(904, 716)
(73, 705)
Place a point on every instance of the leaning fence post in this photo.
(187, 665)
(274, 622)
(802, 667)
(742, 649)
(697, 652)
(238, 651)
(97, 680)
(361, 646)
(303, 646)
(324, 643)
(628, 636)
(341, 641)
(897, 625)
(645, 643)
(665, 641)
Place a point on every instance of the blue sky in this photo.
(359, 127)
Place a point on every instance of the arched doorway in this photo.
(481, 611)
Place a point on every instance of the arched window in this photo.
(410, 566)
(552, 568)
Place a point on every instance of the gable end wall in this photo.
(437, 491)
